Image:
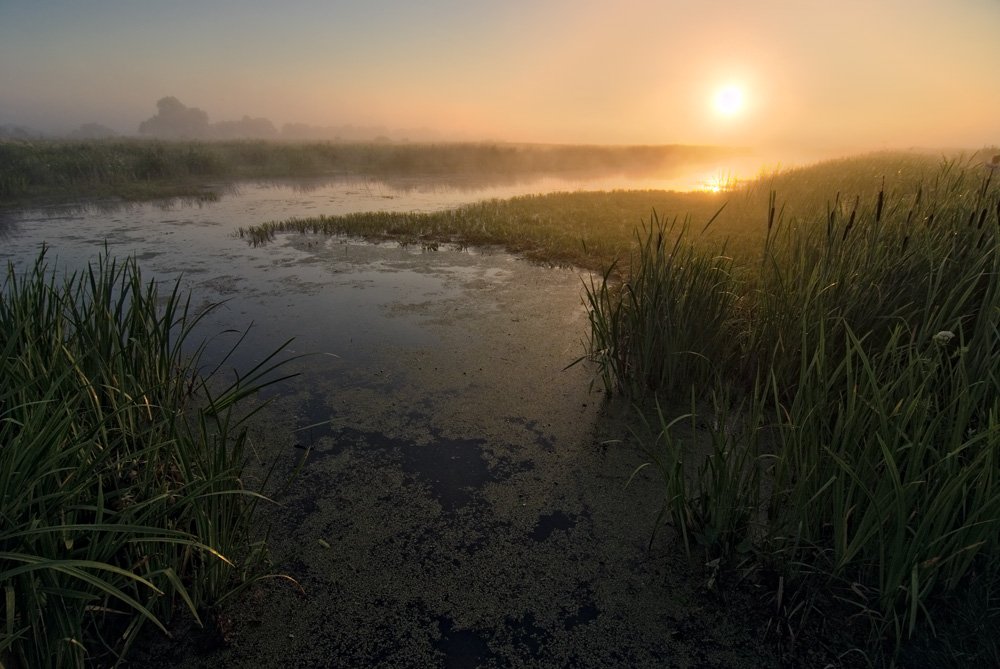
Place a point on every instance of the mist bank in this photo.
(142, 168)
(173, 120)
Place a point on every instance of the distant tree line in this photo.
(175, 120)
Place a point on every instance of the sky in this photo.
(844, 75)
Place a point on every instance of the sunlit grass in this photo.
(582, 229)
(719, 183)
(858, 350)
(594, 229)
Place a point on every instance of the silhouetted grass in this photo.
(121, 495)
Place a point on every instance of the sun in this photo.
(729, 100)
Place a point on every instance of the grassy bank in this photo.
(845, 405)
(142, 169)
(122, 495)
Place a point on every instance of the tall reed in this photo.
(860, 346)
(668, 325)
(121, 487)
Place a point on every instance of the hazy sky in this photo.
(838, 75)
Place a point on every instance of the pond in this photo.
(461, 503)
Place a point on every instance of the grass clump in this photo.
(670, 323)
(848, 360)
(585, 229)
(122, 491)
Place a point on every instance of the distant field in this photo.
(140, 169)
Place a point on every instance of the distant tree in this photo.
(93, 131)
(174, 120)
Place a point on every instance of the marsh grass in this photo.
(121, 466)
(582, 229)
(668, 325)
(711, 475)
(593, 230)
(863, 342)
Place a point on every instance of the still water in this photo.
(339, 298)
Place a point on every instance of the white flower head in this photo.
(944, 337)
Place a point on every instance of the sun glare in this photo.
(729, 100)
(721, 182)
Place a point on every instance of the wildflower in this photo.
(944, 337)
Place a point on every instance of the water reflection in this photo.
(344, 296)
(109, 206)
